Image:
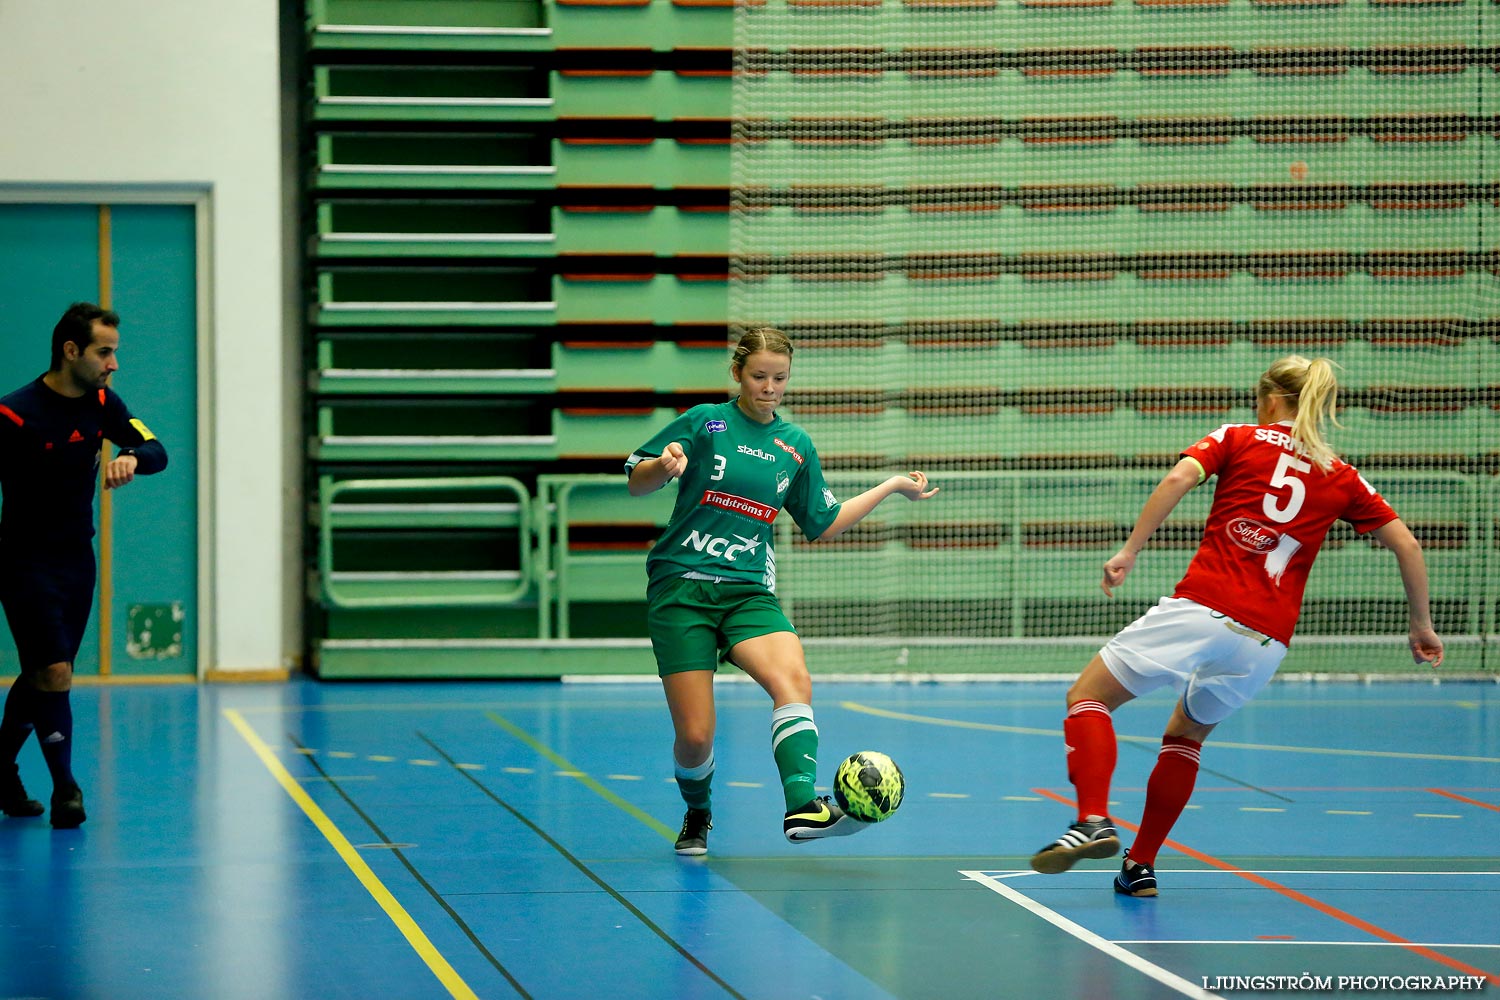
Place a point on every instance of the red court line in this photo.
(1464, 798)
(1303, 898)
(1331, 788)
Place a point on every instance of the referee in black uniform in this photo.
(51, 432)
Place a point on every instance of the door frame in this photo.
(200, 198)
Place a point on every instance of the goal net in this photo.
(1036, 247)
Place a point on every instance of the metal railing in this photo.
(1019, 501)
(333, 582)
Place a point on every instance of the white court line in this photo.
(1002, 873)
(1088, 937)
(1330, 944)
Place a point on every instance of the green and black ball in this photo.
(869, 786)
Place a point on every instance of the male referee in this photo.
(51, 431)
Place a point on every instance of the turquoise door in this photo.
(142, 259)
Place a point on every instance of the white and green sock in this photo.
(794, 742)
(694, 782)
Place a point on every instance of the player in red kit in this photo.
(1222, 634)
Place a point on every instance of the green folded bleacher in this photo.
(529, 223)
(644, 228)
(444, 25)
(400, 228)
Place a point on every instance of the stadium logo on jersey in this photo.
(739, 505)
(1252, 536)
(783, 481)
(716, 426)
(788, 449)
(721, 547)
(764, 456)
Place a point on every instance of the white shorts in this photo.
(1217, 663)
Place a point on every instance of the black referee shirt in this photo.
(49, 461)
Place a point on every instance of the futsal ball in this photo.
(869, 786)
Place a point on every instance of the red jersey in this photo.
(1272, 509)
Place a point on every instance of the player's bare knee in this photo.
(1087, 688)
(794, 686)
(1097, 683)
(692, 747)
(55, 677)
(1183, 727)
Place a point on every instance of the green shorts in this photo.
(694, 623)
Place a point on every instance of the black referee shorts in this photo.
(47, 600)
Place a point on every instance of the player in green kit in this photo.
(712, 577)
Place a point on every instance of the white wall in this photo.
(129, 92)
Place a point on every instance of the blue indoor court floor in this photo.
(514, 839)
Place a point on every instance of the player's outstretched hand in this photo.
(119, 471)
(1426, 647)
(673, 460)
(1119, 566)
(915, 486)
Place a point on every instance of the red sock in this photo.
(1167, 793)
(1089, 734)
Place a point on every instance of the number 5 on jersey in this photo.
(1286, 546)
(1298, 489)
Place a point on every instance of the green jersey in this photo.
(740, 474)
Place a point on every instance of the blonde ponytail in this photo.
(1311, 388)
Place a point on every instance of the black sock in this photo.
(16, 725)
(54, 730)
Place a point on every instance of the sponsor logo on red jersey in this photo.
(1252, 535)
(728, 501)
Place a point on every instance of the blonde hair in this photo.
(1311, 388)
(759, 338)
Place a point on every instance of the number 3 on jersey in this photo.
(1297, 489)
(719, 462)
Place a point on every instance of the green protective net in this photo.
(1036, 248)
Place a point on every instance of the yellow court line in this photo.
(270, 675)
(991, 727)
(583, 776)
(424, 948)
(119, 680)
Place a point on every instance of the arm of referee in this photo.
(133, 437)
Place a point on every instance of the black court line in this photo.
(560, 849)
(1218, 774)
(406, 862)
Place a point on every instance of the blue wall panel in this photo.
(153, 248)
(49, 258)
